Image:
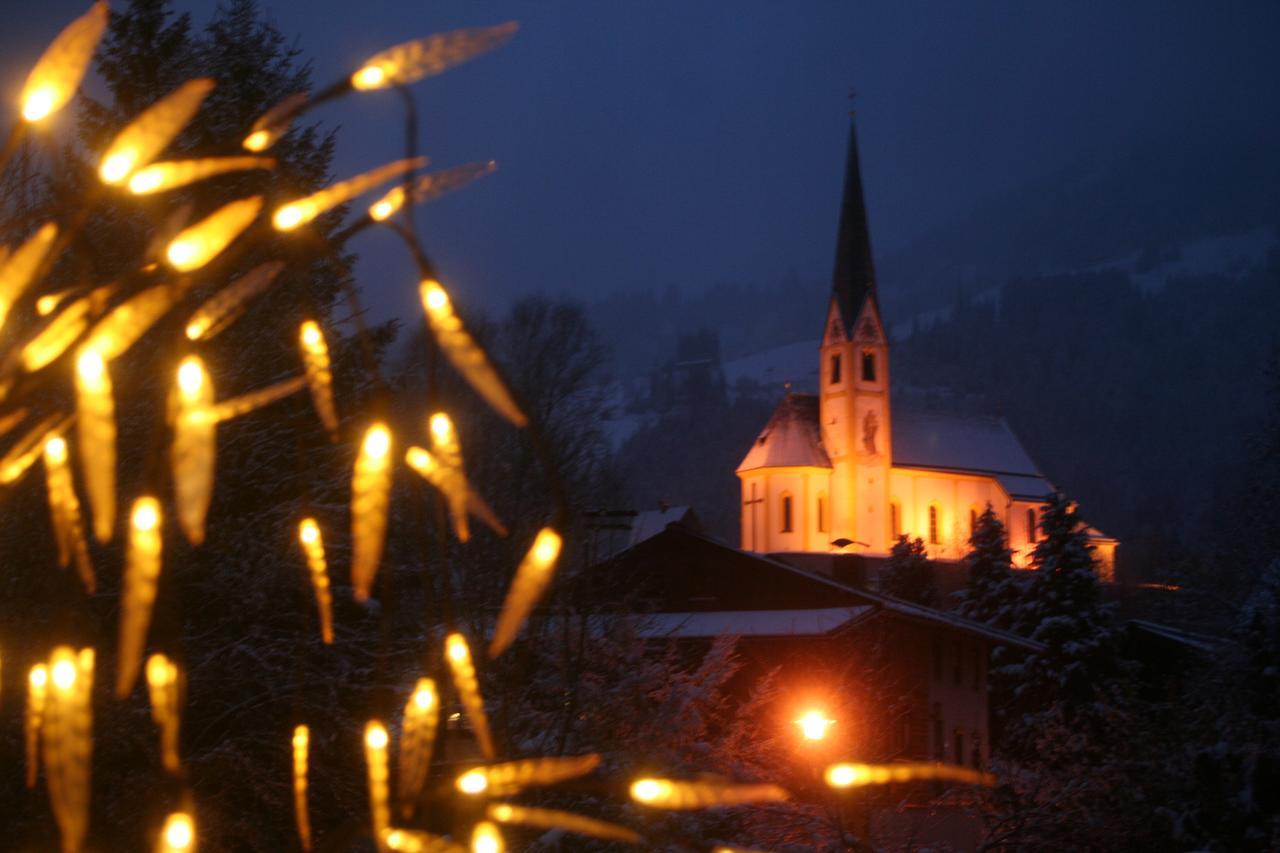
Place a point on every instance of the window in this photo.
(868, 366)
(822, 513)
(786, 513)
(933, 525)
(835, 369)
(895, 520)
(1031, 525)
(958, 757)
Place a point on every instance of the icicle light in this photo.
(172, 174)
(850, 775)
(192, 452)
(64, 512)
(37, 691)
(416, 841)
(417, 740)
(54, 339)
(554, 820)
(58, 72)
(512, 777)
(375, 756)
(146, 136)
(164, 688)
(178, 835)
(315, 359)
(28, 448)
(227, 305)
(530, 582)
(413, 60)
(301, 815)
(272, 124)
(485, 838)
(235, 407)
(465, 354)
(370, 490)
(458, 656)
(680, 796)
(444, 471)
(19, 268)
(301, 211)
(202, 242)
(67, 738)
(118, 331)
(428, 188)
(313, 547)
(96, 434)
(141, 574)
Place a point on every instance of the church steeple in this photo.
(854, 278)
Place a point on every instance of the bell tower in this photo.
(854, 380)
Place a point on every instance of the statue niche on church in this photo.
(870, 424)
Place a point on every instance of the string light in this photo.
(485, 838)
(301, 816)
(413, 60)
(465, 354)
(429, 187)
(532, 577)
(512, 777)
(164, 688)
(54, 339)
(852, 775)
(370, 490)
(417, 739)
(552, 819)
(178, 835)
(313, 547)
(194, 446)
(179, 173)
(138, 143)
(28, 448)
(57, 74)
(227, 305)
(458, 656)
(301, 211)
(37, 689)
(375, 754)
(64, 512)
(19, 268)
(680, 795)
(315, 359)
(443, 470)
(141, 574)
(96, 434)
(202, 242)
(272, 124)
(67, 741)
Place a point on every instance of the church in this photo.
(845, 472)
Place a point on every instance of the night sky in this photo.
(655, 144)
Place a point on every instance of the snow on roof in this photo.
(958, 442)
(1199, 642)
(651, 522)
(748, 623)
(791, 438)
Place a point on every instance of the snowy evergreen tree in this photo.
(992, 593)
(909, 574)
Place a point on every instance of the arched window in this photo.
(868, 366)
(933, 525)
(835, 369)
(786, 513)
(822, 513)
(1031, 525)
(895, 520)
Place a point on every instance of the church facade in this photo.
(844, 471)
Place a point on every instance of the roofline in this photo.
(981, 472)
(895, 605)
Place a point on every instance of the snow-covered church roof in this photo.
(790, 438)
(930, 439)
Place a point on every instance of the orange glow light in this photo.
(814, 725)
(57, 74)
(151, 130)
(411, 61)
(370, 490)
(200, 243)
(301, 211)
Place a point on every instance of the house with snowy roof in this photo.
(844, 472)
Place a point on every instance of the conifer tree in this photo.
(909, 574)
(991, 594)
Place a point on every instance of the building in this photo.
(844, 471)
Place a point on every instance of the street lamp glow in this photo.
(814, 725)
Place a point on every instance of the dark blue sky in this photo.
(671, 142)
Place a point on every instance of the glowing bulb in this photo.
(38, 104)
(424, 698)
(814, 724)
(56, 449)
(547, 546)
(190, 377)
(46, 304)
(148, 180)
(309, 531)
(259, 140)
(117, 167)
(441, 427)
(311, 336)
(369, 77)
(377, 442)
(387, 205)
(288, 217)
(39, 676)
(472, 782)
(648, 790)
(842, 775)
(434, 296)
(64, 674)
(146, 514)
(456, 647)
(179, 831)
(486, 839)
(90, 366)
(181, 253)
(375, 736)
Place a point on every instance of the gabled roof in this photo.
(816, 622)
(853, 280)
(790, 438)
(679, 573)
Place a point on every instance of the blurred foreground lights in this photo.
(178, 834)
(369, 77)
(851, 775)
(485, 838)
(473, 782)
(814, 725)
(202, 242)
(117, 167)
(58, 72)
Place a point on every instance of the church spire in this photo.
(854, 279)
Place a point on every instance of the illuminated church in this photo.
(843, 471)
